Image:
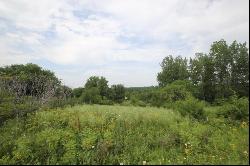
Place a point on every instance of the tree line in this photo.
(97, 91)
(214, 77)
(219, 74)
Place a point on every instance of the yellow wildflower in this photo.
(243, 125)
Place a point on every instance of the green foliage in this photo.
(118, 93)
(202, 75)
(77, 92)
(236, 109)
(173, 69)
(178, 90)
(219, 74)
(26, 88)
(189, 133)
(105, 101)
(91, 95)
(96, 91)
(240, 68)
(98, 82)
(10, 108)
(191, 107)
(63, 93)
(61, 102)
(112, 135)
(173, 92)
(29, 79)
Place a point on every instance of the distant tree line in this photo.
(97, 91)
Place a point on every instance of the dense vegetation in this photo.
(117, 134)
(203, 114)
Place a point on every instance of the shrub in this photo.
(191, 107)
(91, 96)
(106, 101)
(236, 109)
(141, 103)
(11, 107)
(55, 102)
(126, 103)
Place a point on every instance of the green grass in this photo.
(119, 134)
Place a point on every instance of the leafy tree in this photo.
(29, 80)
(240, 68)
(91, 95)
(173, 69)
(98, 82)
(223, 72)
(92, 82)
(118, 92)
(103, 87)
(77, 92)
(202, 74)
(220, 53)
(64, 92)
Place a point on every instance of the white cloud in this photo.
(112, 31)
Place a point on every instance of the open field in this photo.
(94, 134)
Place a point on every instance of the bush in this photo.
(126, 103)
(236, 109)
(106, 101)
(169, 94)
(11, 107)
(191, 107)
(91, 96)
(141, 103)
(55, 102)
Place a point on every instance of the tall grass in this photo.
(121, 135)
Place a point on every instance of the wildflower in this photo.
(144, 163)
(245, 153)
(233, 146)
(185, 158)
(121, 163)
(243, 125)
(93, 147)
(186, 151)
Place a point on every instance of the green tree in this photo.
(91, 95)
(173, 69)
(220, 53)
(202, 75)
(77, 92)
(240, 68)
(29, 80)
(118, 93)
(100, 83)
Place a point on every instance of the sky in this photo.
(122, 40)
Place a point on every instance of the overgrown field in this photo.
(94, 134)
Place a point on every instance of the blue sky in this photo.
(123, 40)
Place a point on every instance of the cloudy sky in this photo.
(123, 40)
